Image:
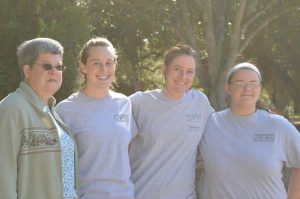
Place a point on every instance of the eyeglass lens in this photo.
(50, 67)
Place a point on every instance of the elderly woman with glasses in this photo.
(37, 153)
(245, 147)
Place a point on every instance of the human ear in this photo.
(163, 69)
(26, 70)
(82, 67)
(226, 88)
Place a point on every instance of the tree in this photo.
(23, 20)
(279, 56)
(222, 32)
(229, 27)
(225, 45)
(132, 27)
(18, 23)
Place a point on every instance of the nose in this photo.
(102, 67)
(183, 75)
(247, 87)
(53, 70)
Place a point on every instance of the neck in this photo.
(172, 95)
(43, 96)
(242, 111)
(95, 93)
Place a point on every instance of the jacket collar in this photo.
(33, 98)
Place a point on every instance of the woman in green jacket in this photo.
(38, 155)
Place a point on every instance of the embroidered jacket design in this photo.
(39, 139)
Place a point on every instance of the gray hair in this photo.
(244, 65)
(29, 51)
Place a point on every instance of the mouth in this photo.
(180, 83)
(102, 77)
(246, 95)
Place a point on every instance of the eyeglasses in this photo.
(241, 84)
(47, 66)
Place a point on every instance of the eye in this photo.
(254, 84)
(110, 63)
(191, 72)
(60, 67)
(96, 63)
(47, 66)
(239, 84)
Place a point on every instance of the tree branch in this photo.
(248, 23)
(235, 39)
(257, 30)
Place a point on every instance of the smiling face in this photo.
(99, 68)
(244, 89)
(179, 76)
(44, 82)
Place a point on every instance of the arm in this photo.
(294, 185)
(199, 171)
(9, 150)
(291, 147)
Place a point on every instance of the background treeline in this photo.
(265, 32)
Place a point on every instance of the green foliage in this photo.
(17, 21)
(276, 50)
(142, 30)
(295, 118)
(64, 21)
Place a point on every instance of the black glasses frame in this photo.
(47, 66)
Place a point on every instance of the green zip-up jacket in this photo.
(30, 158)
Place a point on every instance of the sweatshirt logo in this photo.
(121, 118)
(193, 122)
(264, 138)
(193, 117)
